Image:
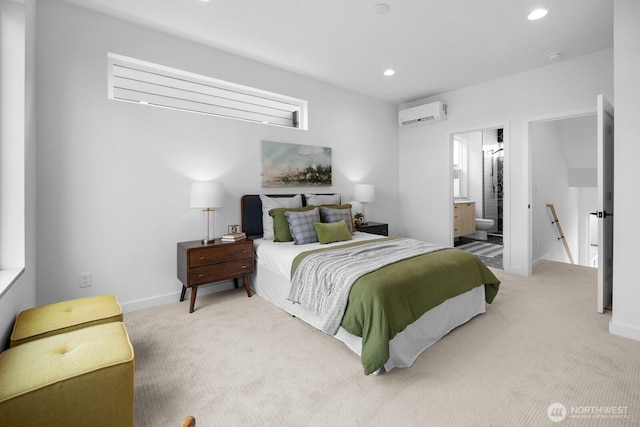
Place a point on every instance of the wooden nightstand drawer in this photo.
(221, 271)
(219, 253)
(203, 264)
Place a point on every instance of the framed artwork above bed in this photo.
(295, 165)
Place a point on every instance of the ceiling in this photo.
(433, 45)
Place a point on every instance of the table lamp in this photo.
(364, 193)
(207, 196)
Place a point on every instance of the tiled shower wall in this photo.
(492, 178)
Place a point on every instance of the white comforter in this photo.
(279, 256)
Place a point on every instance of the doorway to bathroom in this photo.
(478, 193)
(492, 182)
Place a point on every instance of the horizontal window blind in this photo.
(143, 82)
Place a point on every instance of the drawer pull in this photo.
(244, 266)
(244, 251)
(201, 275)
(201, 258)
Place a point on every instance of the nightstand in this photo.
(374, 228)
(200, 264)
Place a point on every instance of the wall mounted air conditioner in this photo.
(422, 114)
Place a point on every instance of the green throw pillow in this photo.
(332, 232)
(281, 225)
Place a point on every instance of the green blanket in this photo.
(384, 302)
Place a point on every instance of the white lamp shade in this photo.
(206, 195)
(364, 193)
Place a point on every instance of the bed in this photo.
(399, 295)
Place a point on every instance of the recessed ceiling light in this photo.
(381, 9)
(538, 13)
(389, 72)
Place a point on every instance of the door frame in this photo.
(528, 144)
(606, 150)
(506, 185)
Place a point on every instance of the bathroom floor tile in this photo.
(494, 262)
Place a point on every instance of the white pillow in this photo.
(269, 203)
(322, 199)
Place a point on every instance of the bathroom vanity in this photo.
(464, 218)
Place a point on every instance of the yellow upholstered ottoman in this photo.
(65, 316)
(79, 378)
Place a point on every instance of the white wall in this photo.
(626, 292)
(114, 178)
(588, 197)
(22, 293)
(425, 159)
(579, 142)
(475, 170)
(550, 184)
(558, 147)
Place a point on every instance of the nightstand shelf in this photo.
(200, 264)
(374, 228)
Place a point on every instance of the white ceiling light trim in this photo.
(538, 14)
(381, 9)
(389, 72)
(554, 55)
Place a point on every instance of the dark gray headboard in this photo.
(251, 212)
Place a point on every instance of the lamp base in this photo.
(208, 227)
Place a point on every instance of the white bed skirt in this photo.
(407, 345)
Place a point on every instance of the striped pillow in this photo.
(338, 214)
(301, 226)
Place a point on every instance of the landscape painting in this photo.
(295, 165)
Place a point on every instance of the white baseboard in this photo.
(130, 306)
(539, 261)
(514, 270)
(624, 330)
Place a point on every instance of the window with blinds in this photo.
(133, 80)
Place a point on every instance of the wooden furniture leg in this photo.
(189, 422)
(184, 290)
(245, 281)
(194, 290)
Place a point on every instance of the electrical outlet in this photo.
(85, 280)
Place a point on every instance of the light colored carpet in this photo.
(239, 361)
